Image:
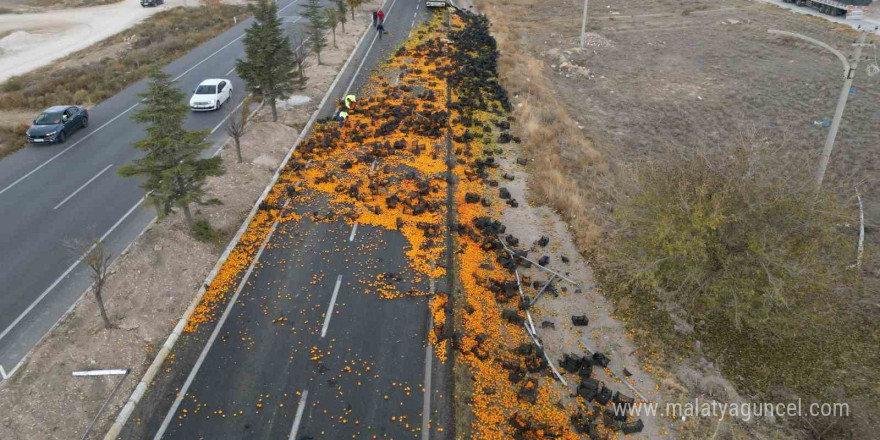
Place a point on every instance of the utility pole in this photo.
(849, 69)
(584, 25)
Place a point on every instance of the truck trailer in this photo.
(850, 8)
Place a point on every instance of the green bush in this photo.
(740, 246)
(204, 232)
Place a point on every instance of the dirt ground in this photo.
(553, 310)
(656, 74)
(27, 42)
(152, 284)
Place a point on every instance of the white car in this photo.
(211, 94)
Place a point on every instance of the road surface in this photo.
(53, 194)
(302, 351)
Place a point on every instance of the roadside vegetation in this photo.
(174, 172)
(69, 3)
(98, 72)
(269, 66)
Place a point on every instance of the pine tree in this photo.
(317, 25)
(332, 20)
(175, 174)
(342, 9)
(269, 57)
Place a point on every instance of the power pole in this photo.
(584, 25)
(838, 113)
(849, 70)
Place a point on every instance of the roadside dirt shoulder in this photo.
(152, 284)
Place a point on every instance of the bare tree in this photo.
(332, 21)
(97, 260)
(300, 54)
(236, 127)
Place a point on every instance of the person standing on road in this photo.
(380, 29)
(381, 16)
(375, 17)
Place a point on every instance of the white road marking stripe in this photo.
(83, 186)
(299, 414)
(208, 57)
(364, 59)
(354, 230)
(67, 272)
(17, 181)
(332, 304)
(67, 149)
(429, 359)
(192, 374)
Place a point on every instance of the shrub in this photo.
(81, 97)
(742, 248)
(204, 232)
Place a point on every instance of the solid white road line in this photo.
(83, 186)
(207, 58)
(67, 272)
(192, 374)
(299, 414)
(17, 181)
(429, 359)
(354, 230)
(67, 149)
(364, 59)
(330, 309)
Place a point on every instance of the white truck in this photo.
(850, 8)
(435, 3)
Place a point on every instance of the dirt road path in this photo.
(30, 41)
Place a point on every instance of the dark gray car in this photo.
(57, 123)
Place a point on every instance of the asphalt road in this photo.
(55, 194)
(302, 351)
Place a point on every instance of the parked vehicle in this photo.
(850, 8)
(57, 123)
(146, 3)
(435, 3)
(211, 94)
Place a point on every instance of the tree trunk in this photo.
(343, 25)
(274, 108)
(187, 215)
(334, 38)
(237, 148)
(352, 14)
(100, 300)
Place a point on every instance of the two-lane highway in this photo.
(52, 195)
(306, 348)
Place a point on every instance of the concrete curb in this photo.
(154, 367)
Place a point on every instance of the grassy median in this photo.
(100, 71)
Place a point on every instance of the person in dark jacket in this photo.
(380, 29)
(375, 18)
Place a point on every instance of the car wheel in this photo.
(62, 137)
(217, 105)
(85, 122)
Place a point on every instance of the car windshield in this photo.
(47, 118)
(206, 90)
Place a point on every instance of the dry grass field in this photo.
(660, 79)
